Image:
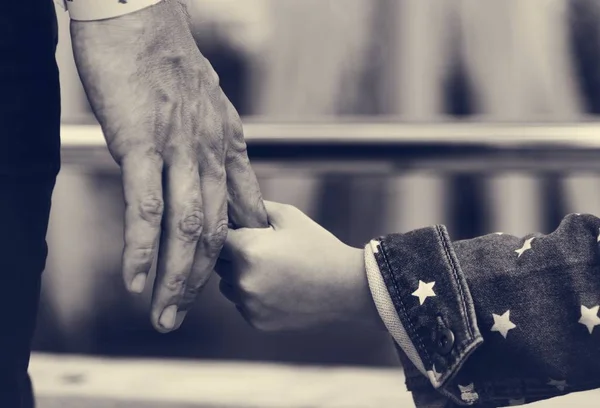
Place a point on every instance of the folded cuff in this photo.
(386, 309)
(435, 322)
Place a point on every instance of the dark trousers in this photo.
(24, 211)
(29, 163)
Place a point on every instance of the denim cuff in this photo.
(434, 305)
(385, 308)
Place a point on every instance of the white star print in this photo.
(499, 233)
(424, 291)
(514, 402)
(525, 247)
(598, 239)
(589, 317)
(467, 393)
(434, 376)
(560, 385)
(502, 323)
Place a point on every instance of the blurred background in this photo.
(372, 116)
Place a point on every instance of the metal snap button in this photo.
(444, 341)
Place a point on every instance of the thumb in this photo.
(281, 215)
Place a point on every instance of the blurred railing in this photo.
(466, 156)
(350, 131)
(357, 179)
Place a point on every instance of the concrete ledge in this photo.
(67, 381)
(72, 381)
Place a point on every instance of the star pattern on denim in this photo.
(526, 246)
(468, 393)
(502, 323)
(589, 317)
(546, 258)
(424, 291)
(433, 374)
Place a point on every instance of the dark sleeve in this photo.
(497, 320)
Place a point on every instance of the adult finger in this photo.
(142, 187)
(246, 208)
(182, 227)
(214, 197)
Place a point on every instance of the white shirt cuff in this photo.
(90, 10)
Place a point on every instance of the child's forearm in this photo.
(497, 319)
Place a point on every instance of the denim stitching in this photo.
(456, 277)
(420, 344)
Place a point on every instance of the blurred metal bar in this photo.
(579, 135)
(384, 148)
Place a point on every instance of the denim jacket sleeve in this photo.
(492, 321)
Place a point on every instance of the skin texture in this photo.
(295, 275)
(179, 143)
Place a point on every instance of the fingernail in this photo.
(138, 283)
(167, 318)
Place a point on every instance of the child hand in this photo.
(295, 275)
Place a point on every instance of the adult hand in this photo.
(179, 143)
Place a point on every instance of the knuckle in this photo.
(212, 78)
(213, 167)
(175, 283)
(290, 209)
(218, 172)
(234, 122)
(248, 287)
(209, 79)
(139, 254)
(190, 226)
(213, 240)
(191, 292)
(189, 296)
(237, 150)
(151, 209)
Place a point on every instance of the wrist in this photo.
(365, 312)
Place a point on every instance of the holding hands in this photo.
(294, 275)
